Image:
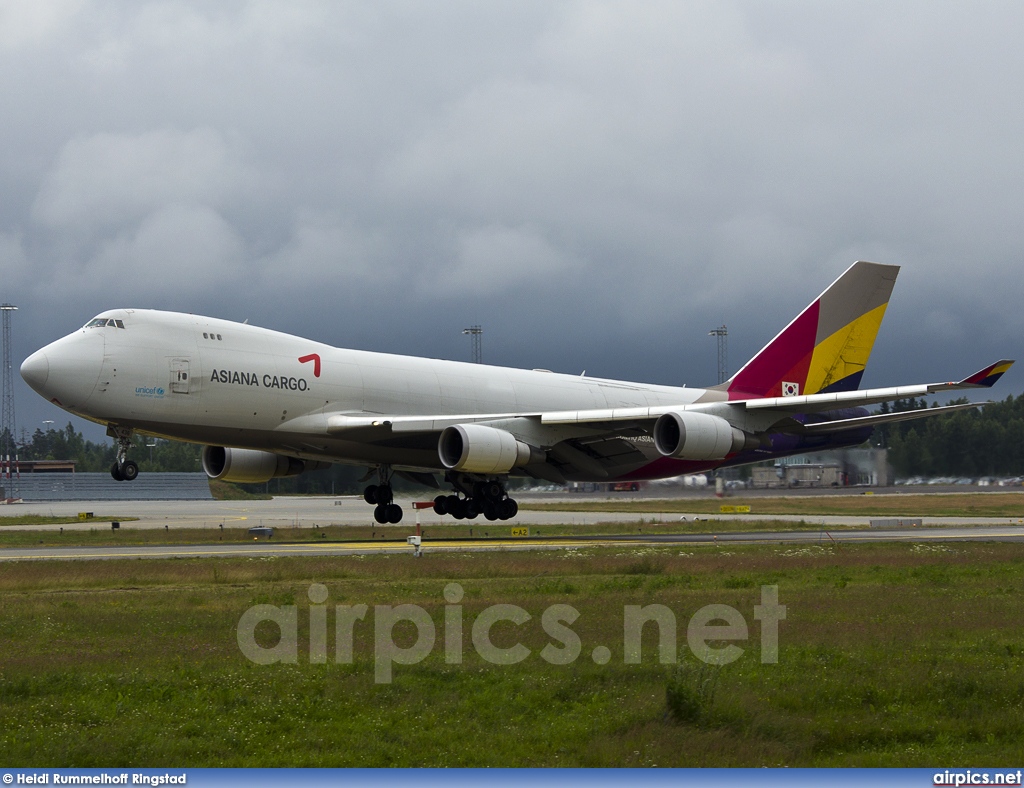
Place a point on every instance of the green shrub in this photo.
(690, 690)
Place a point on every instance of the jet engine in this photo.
(686, 435)
(250, 465)
(477, 448)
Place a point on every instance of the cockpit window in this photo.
(99, 322)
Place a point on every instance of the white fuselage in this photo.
(218, 382)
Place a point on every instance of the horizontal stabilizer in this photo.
(884, 418)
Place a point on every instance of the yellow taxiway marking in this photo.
(258, 549)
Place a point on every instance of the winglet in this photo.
(987, 377)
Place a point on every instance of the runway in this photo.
(284, 512)
(279, 549)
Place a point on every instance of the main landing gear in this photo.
(123, 469)
(385, 509)
(487, 498)
(470, 498)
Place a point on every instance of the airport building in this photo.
(845, 468)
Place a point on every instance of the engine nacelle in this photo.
(250, 465)
(477, 448)
(685, 435)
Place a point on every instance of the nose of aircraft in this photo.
(35, 370)
(66, 371)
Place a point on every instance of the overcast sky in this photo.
(596, 184)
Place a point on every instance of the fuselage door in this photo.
(180, 376)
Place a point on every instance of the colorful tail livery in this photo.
(827, 346)
(987, 377)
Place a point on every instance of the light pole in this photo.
(476, 335)
(722, 334)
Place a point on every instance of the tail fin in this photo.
(827, 346)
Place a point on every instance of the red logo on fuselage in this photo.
(315, 358)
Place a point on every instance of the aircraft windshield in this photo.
(101, 322)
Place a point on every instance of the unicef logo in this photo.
(155, 392)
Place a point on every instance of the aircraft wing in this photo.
(603, 442)
(351, 423)
(812, 403)
(983, 378)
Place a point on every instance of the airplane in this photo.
(266, 404)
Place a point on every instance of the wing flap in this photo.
(605, 414)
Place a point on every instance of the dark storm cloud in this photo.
(598, 184)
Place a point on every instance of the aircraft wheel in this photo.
(493, 491)
(370, 494)
(451, 504)
(129, 471)
(440, 504)
(394, 513)
(115, 473)
(490, 511)
(380, 514)
(458, 510)
(472, 510)
(507, 509)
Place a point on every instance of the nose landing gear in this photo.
(126, 471)
(123, 469)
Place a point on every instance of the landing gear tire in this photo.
(129, 471)
(507, 509)
(492, 491)
(440, 505)
(115, 473)
(394, 513)
(370, 494)
(472, 510)
(380, 514)
(491, 511)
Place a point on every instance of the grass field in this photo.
(38, 519)
(890, 655)
(1010, 504)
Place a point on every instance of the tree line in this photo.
(972, 443)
